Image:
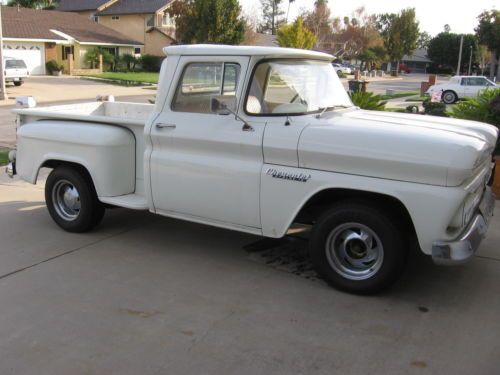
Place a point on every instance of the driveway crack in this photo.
(4, 276)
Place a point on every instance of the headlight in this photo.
(12, 156)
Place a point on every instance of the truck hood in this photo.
(405, 147)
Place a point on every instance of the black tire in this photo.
(18, 83)
(449, 97)
(84, 211)
(352, 219)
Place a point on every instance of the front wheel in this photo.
(357, 248)
(18, 83)
(449, 97)
(72, 201)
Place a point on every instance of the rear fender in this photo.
(107, 152)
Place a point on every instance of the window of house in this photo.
(167, 20)
(150, 20)
(201, 82)
(94, 18)
(115, 18)
(137, 50)
(66, 50)
(112, 50)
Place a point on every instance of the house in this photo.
(37, 36)
(418, 61)
(144, 20)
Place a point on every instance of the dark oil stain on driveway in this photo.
(288, 254)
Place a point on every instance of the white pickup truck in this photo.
(257, 139)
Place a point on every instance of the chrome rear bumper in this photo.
(464, 248)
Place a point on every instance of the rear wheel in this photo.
(357, 248)
(72, 201)
(18, 83)
(449, 97)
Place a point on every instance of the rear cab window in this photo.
(15, 64)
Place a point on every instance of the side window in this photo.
(201, 82)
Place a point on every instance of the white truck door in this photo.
(204, 166)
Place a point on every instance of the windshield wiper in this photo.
(323, 110)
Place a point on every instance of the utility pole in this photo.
(460, 55)
(273, 25)
(2, 70)
(470, 60)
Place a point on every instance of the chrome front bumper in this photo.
(11, 167)
(464, 248)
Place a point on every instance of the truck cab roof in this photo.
(224, 50)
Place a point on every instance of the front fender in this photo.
(107, 152)
(431, 208)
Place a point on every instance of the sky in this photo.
(432, 14)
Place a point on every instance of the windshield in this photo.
(15, 64)
(294, 87)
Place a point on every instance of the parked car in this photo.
(15, 70)
(460, 87)
(403, 68)
(258, 139)
(342, 68)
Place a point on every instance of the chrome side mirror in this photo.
(221, 108)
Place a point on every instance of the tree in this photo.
(444, 49)
(208, 21)
(488, 33)
(400, 33)
(271, 14)
(358, 33)
(372, 56)
(319, 21)
(37, 4)
(296, 35)
(424, 39)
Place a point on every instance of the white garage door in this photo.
(33, 55)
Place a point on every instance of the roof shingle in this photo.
(134, 7)
(24, 23)
(80, 5)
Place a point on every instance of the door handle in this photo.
(165, 126)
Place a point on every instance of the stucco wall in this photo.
(133, 26)
(155, 42)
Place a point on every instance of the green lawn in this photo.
(399, 95)
(4, 156)
(133, 77)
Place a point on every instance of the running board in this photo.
(132, 201)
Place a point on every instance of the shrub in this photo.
(434, 109)
(53, 66)
(412, 109)
(151, 63)
(367, 100)
(485, 108)
(438, 69)
(108, 59)
(130, 61)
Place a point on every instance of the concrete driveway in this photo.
(150, 295)
(62, 90)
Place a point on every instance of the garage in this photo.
(33, 55)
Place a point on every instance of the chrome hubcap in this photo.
(354, 251)
(66, 200)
